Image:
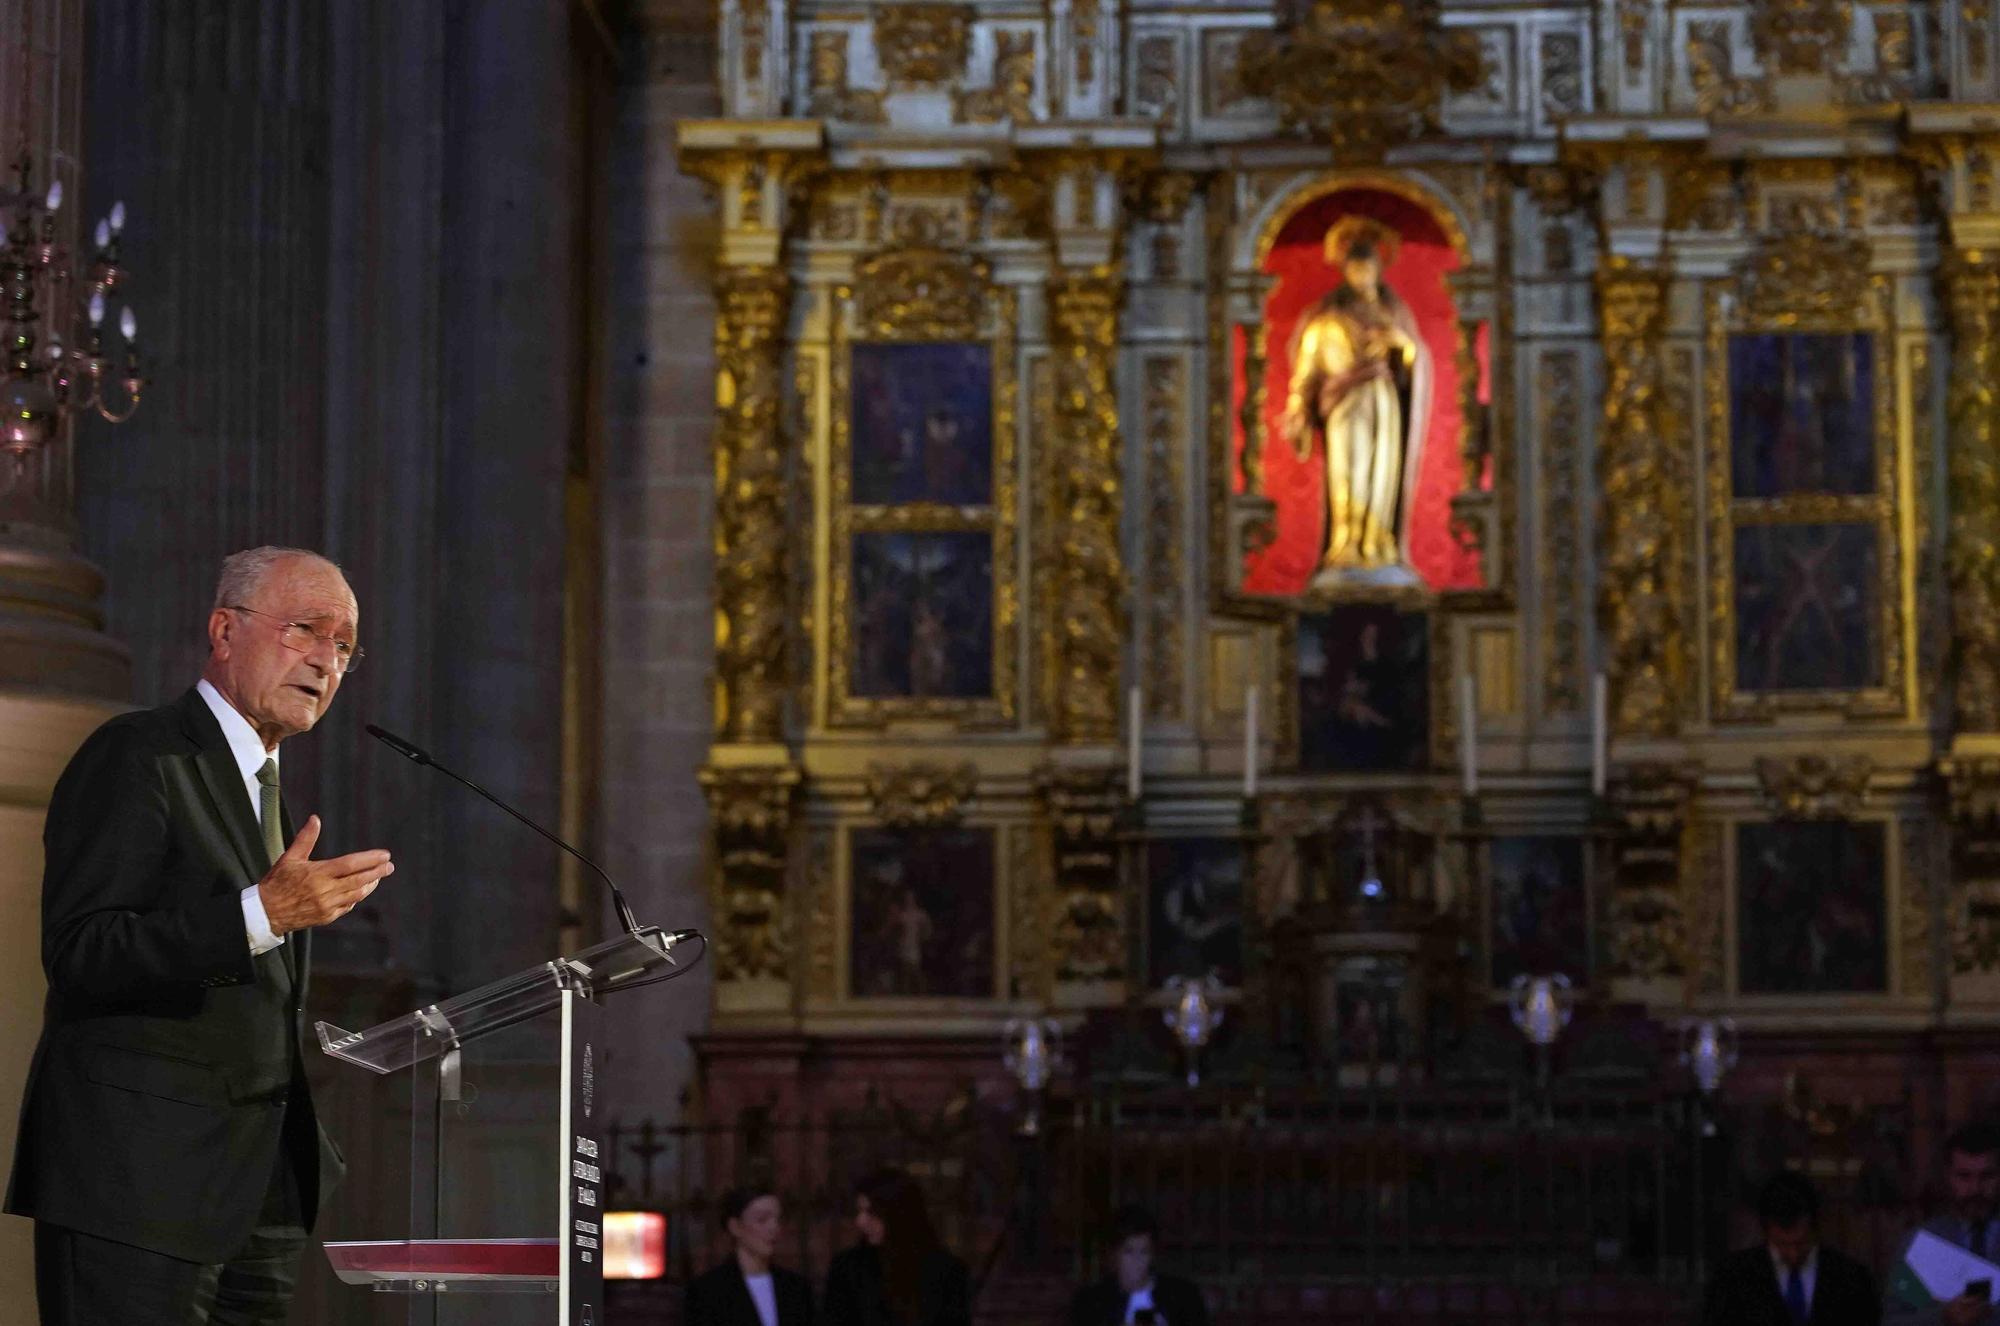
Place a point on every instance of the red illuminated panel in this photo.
(635, 1245)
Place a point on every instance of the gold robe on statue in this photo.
(1361, 378)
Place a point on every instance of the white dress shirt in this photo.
(247, 749)
(1808, 1275)
(1140, 1300)
(765, 1295)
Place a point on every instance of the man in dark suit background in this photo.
(1134, 1292)
(1791, 1278)
(168, 1150)
(747, 1289)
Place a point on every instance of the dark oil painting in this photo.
(1364, 689)
(1808, 607)
(923, 615)
(1540, 921)
(1801, 414)
(1194, 909)
(1811, 913)
(921, 423)
(921, 913)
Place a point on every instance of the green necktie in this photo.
(267, 809)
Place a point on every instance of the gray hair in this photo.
(243, 571)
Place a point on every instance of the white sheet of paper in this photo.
(1945, 1268)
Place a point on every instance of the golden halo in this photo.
(1341, 236)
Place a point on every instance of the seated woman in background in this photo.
(898, 1274)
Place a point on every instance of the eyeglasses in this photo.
(301, 637)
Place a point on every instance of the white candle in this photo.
(1468, 734)
(1132, 744)
(1250, 744)
(1600, 756)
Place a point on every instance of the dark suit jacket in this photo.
(1745, 1292)
(1176, 1300)
(856, 1296)
(720, 1297)
(168, 1074)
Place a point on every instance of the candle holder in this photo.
(1709, 1051)
(1541, 1007)
(1193, 1016)
(1031, 1051)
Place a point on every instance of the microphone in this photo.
(418, 755)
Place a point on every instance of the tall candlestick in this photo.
(1600, 755)
(1468, 734)
(1250, 744)
(1133, 778)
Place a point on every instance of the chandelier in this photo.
(60, 354)
(61, 358)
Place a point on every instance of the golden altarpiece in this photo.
(1533, 461)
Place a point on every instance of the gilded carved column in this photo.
(1087, 616)
(1639, 508)
(750, 534)
(752, 780)
(1972, 292)
(1971, 284)
(1640, 523)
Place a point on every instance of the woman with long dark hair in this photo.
(898, 1274)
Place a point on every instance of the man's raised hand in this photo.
(300, 893)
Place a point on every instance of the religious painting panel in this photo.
(1808, 608)
(921, 913)
(1811, 907)
(1801, 414)
(1194, 909)
(921, 420)
(1805, 591)
(1539, 922)
(1364, 689)
(1353, 384)
(923, 516)
(923, 615)
(1369, 1020)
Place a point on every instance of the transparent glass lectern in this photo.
(506, 1183)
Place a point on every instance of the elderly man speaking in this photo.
(168, 1152)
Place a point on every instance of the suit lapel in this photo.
(231, 805)
(229, 801)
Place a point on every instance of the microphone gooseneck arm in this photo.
(418, 755)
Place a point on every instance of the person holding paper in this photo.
(1790, 1279)
(1917, 1297)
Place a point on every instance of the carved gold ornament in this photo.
(922, 45)
(921, 795)
(750, 524)
(932, 294)
(1641, 511)
(750, 815)
(1364, 74)
(1011, 96)
(1815, 786)
(1087, 626)
(1971, 281)
(1799, 273)
(1801, 36)
(828, 93)
(1089, 932)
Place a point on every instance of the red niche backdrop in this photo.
(1304, 275)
